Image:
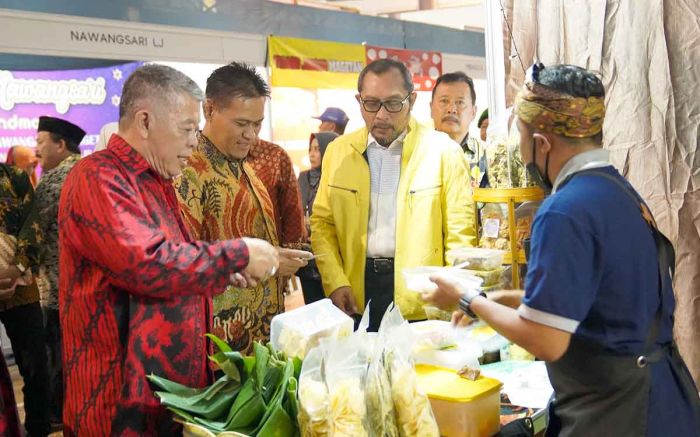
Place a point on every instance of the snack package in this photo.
(345, 370)
(524, 216)
(505, 165)
(494, 229)
(380, 403)
(414, 414)
(476, 258)
(314, 406)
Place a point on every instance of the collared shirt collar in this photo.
(583, 161)
(256, 149)
(67, 162)
(213, 152)
(467, 145)
(127, 154)
(398, 142)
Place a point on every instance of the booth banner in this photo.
(88, 98)
(305, 63)
(425, 66)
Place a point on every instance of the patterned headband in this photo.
(552, 111)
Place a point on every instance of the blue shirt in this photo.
(593, 272)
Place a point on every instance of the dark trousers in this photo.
(379, 293)
(52, 329)
(312, 290)
(25, 327)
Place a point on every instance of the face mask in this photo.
(536, 175)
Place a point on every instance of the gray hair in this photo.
(155, 82)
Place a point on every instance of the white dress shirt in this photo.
(385, 171)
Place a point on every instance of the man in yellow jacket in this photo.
(392, 195)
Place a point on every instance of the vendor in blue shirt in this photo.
(598, 303)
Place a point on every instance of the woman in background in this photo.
(308, 185)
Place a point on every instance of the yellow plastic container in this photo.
(462, 408)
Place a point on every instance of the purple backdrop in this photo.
(88, 98)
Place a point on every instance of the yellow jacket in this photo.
(434, 211)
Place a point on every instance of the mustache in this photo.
(450, 118)
(382, 126)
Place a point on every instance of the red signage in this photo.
(425, 66)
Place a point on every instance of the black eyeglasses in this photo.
(391, 105)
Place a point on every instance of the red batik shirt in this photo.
(273, 166)
(134, 294)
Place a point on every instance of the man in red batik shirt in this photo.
(134, 289)
(274, 167)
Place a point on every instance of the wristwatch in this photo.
(466, 300)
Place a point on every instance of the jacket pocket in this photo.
(353, 191)
(422, 192)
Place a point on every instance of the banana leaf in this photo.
(174, 387)
(213, 408)
(181, 414)
(279, 355)
(222, 345)
(228, 365)
(276, 402)
(278, 424)
(272, 380)
(249, 366)
(262, 359)
(212, 390)
(297, 367)
(290, 403)
(208, 393)
(243, 417)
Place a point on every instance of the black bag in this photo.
(309, 272)
(518, 428)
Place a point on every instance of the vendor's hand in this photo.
(8, 276)
(510, 298)
(263, 260)
(292, 260)
(344, 299)
(448, 293)
(461, 320)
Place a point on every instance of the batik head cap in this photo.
(550, 110)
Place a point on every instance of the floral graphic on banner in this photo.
(89, 98)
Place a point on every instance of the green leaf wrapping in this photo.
(173, 387)
(228, 365)
(222, 345)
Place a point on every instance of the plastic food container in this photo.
(461, 407)
(298, 331)
(491, 342)
(440, 344)
(491, 278)
(435, 313)
(434, 334)
(418, 278)
(476, 258)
